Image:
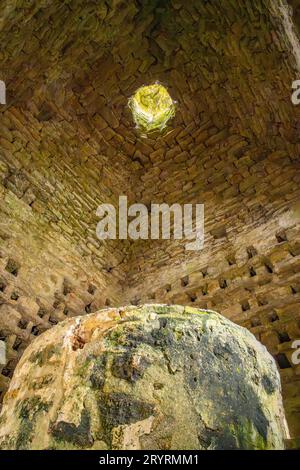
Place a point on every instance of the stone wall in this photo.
(67, 143)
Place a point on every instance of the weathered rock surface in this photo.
(2, 353)
(149, 377)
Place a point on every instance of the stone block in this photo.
(174, 350)
(28, 307)
(2, 353)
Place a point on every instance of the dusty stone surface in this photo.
(149, 377)
(2, 353)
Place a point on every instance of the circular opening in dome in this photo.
(152, 107)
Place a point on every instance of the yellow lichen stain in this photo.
(10, 395)
(192, 310)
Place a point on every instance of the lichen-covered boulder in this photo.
(149, 377)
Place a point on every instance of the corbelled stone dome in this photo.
(149, 377)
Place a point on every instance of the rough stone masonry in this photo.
(68, 143)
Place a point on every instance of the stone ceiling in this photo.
(70, 68)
